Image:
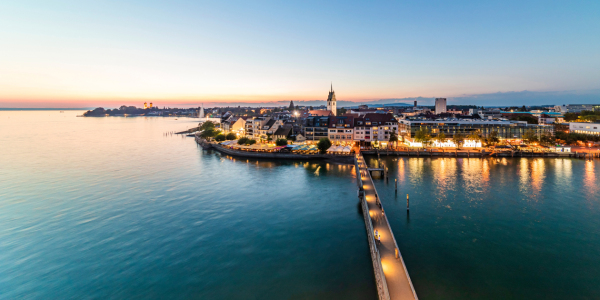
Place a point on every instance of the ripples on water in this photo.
(112, 208)
(497, 228)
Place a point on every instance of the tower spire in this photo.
(331, 86)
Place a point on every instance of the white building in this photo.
(585, 128)
(440, 105)
(573, 108)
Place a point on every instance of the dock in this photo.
(391, 274)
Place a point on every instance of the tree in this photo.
(251, 142)
(458, 139)
(207, 125)
(281, 142)
(571, 116)
(527, 118)
(341, 111)
(492, 138)
(324, 144)
(220, 137)
(422, 135)
(530, 136)
(230, 136)
(475, 136)
(547, 139)
(242, 141)
(208, 133)
(441, 138)
(269, 137)
(393, 137)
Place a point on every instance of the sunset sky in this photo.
(92, 53)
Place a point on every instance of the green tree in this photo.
(281, 142)
(242, 141)
(441, 138)
(220, 137)
(492, 138)
(230, 136)
(530, 136)
(475, 136)
(207, 125)
(324, 144)
(269, 137)
(528, 119)
(208, 133)
(458, 139)
(251, 142)
(547, 139)
(393, 138)
(571, 116)
(341, 111)
(422, 135)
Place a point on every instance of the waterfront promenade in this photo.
(399, 285)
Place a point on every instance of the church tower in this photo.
(331, 102)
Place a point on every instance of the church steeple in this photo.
(331, 101)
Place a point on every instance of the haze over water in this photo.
(113, 208)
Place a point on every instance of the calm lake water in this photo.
(95, 208)
(497, 228)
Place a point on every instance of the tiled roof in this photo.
(321, 113)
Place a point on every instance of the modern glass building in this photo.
(505, 129)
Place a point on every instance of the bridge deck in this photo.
(396, 274)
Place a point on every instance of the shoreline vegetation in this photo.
(132, 111)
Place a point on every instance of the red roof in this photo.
(320, 113)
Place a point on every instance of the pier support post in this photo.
(407, 207)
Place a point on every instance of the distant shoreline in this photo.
(32, 109)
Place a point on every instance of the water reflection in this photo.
(590, 180)
(538, 174)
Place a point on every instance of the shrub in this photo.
(220, 137)
(230, 136)
(324, 144)
(281, 142)
(243, 141)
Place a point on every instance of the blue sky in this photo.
(189, 52)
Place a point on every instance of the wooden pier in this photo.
(391, 275)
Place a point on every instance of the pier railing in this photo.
(398, 254)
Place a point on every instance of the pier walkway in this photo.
(397, 283)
